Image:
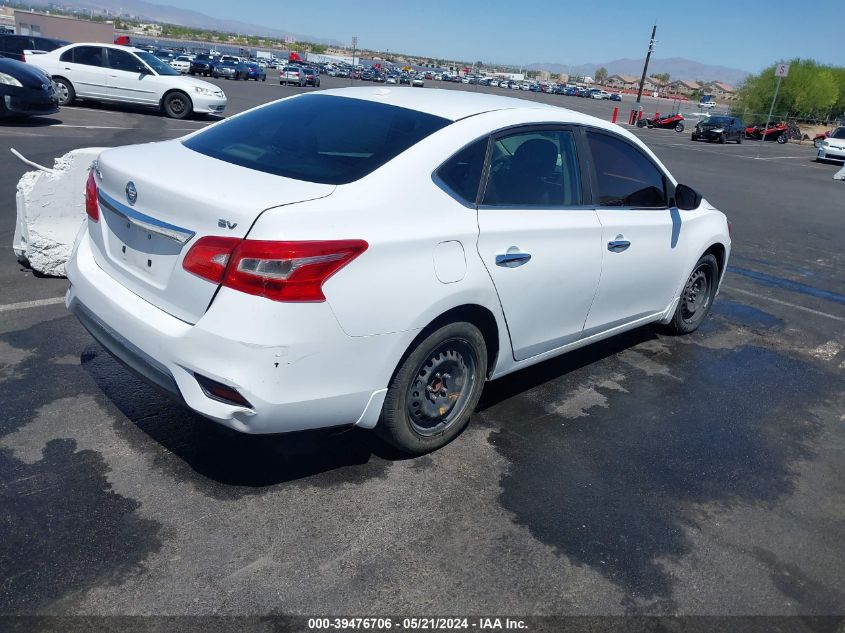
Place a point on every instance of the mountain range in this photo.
(677, 67)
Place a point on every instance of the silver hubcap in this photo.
(62, 90)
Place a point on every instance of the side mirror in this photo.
(687, 198)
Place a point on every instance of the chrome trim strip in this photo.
(152, 225)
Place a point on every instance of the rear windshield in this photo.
(318, 138)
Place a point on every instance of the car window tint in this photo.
(538, 169)
(624, 176)
(88, 55)
(318, 138)
(123, 60)
(67, 56)
(462, 172)
(46, 44)
(18, 45)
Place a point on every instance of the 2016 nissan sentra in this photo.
(378, 264)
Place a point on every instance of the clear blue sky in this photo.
(740, 34)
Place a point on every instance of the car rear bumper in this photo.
(292, 363)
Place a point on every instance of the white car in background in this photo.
(182, 64)
(120, 74)
(346, 275)
(600, 94)
(418, 81)
(833, 147)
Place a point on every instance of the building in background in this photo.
(63, 28)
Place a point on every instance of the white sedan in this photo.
(181, 64)
(418, 81)
(120, 74)
(377, 267)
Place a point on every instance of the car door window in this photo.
(462, 173)
(124, 60)
(535, 169)
(624, 176)
(67, 56)
(88, 56)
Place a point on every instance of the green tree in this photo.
(601, 75)
(810, 90)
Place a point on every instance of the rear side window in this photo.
(317, 138)
(534, 169)
(88, 55)
(462, 172)
(67, 56)
(18, 45)
(624, 176)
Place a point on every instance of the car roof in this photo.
(453, 104)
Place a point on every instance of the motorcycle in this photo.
(665, 122)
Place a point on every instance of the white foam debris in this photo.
(50, 209)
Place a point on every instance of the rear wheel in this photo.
(435, 389)
(739, 138)
(782, 138)
(696, 297)
(177, 105)
(65, 91)
(679, 128)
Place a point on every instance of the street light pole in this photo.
(354, 48)
(645, 66)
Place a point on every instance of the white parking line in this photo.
(786, 303)
(9, 307)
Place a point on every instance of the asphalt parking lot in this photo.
(644, 475)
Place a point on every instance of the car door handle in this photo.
(512, 260)
(617, 246)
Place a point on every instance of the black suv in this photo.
(203, 65)
(14, 45)
(719, 128)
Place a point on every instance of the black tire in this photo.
(679, 128)
(318, 84)
(696, 297)
(722, 139)
(739, 139)
(694, 137)
(782, 138)
(65, 90)
(422, 412)
(177, 105)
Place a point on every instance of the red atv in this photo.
(780, 132)
(818, 139)
(665, 122)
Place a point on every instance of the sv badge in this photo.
(225, 224)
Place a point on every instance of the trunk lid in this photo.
(156, 200)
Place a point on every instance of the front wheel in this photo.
(696, 297)
(435, 389)
(739, 139)
(177, 105)
(679, 128)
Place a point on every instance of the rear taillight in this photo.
(281, 271)
(91, 206)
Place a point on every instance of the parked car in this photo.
(392, 79)
(378, 78)
(25, 90)
(615, 96)
(255, 71)
(20, 46)
(120, 74)
(720, 129)
(306, 300)
(418, 81)
(181, 64)
(365, 76)
(228, 69)
(203, 65)
(312, 77)
(405, 79)
(833, 147)
(292, 75)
